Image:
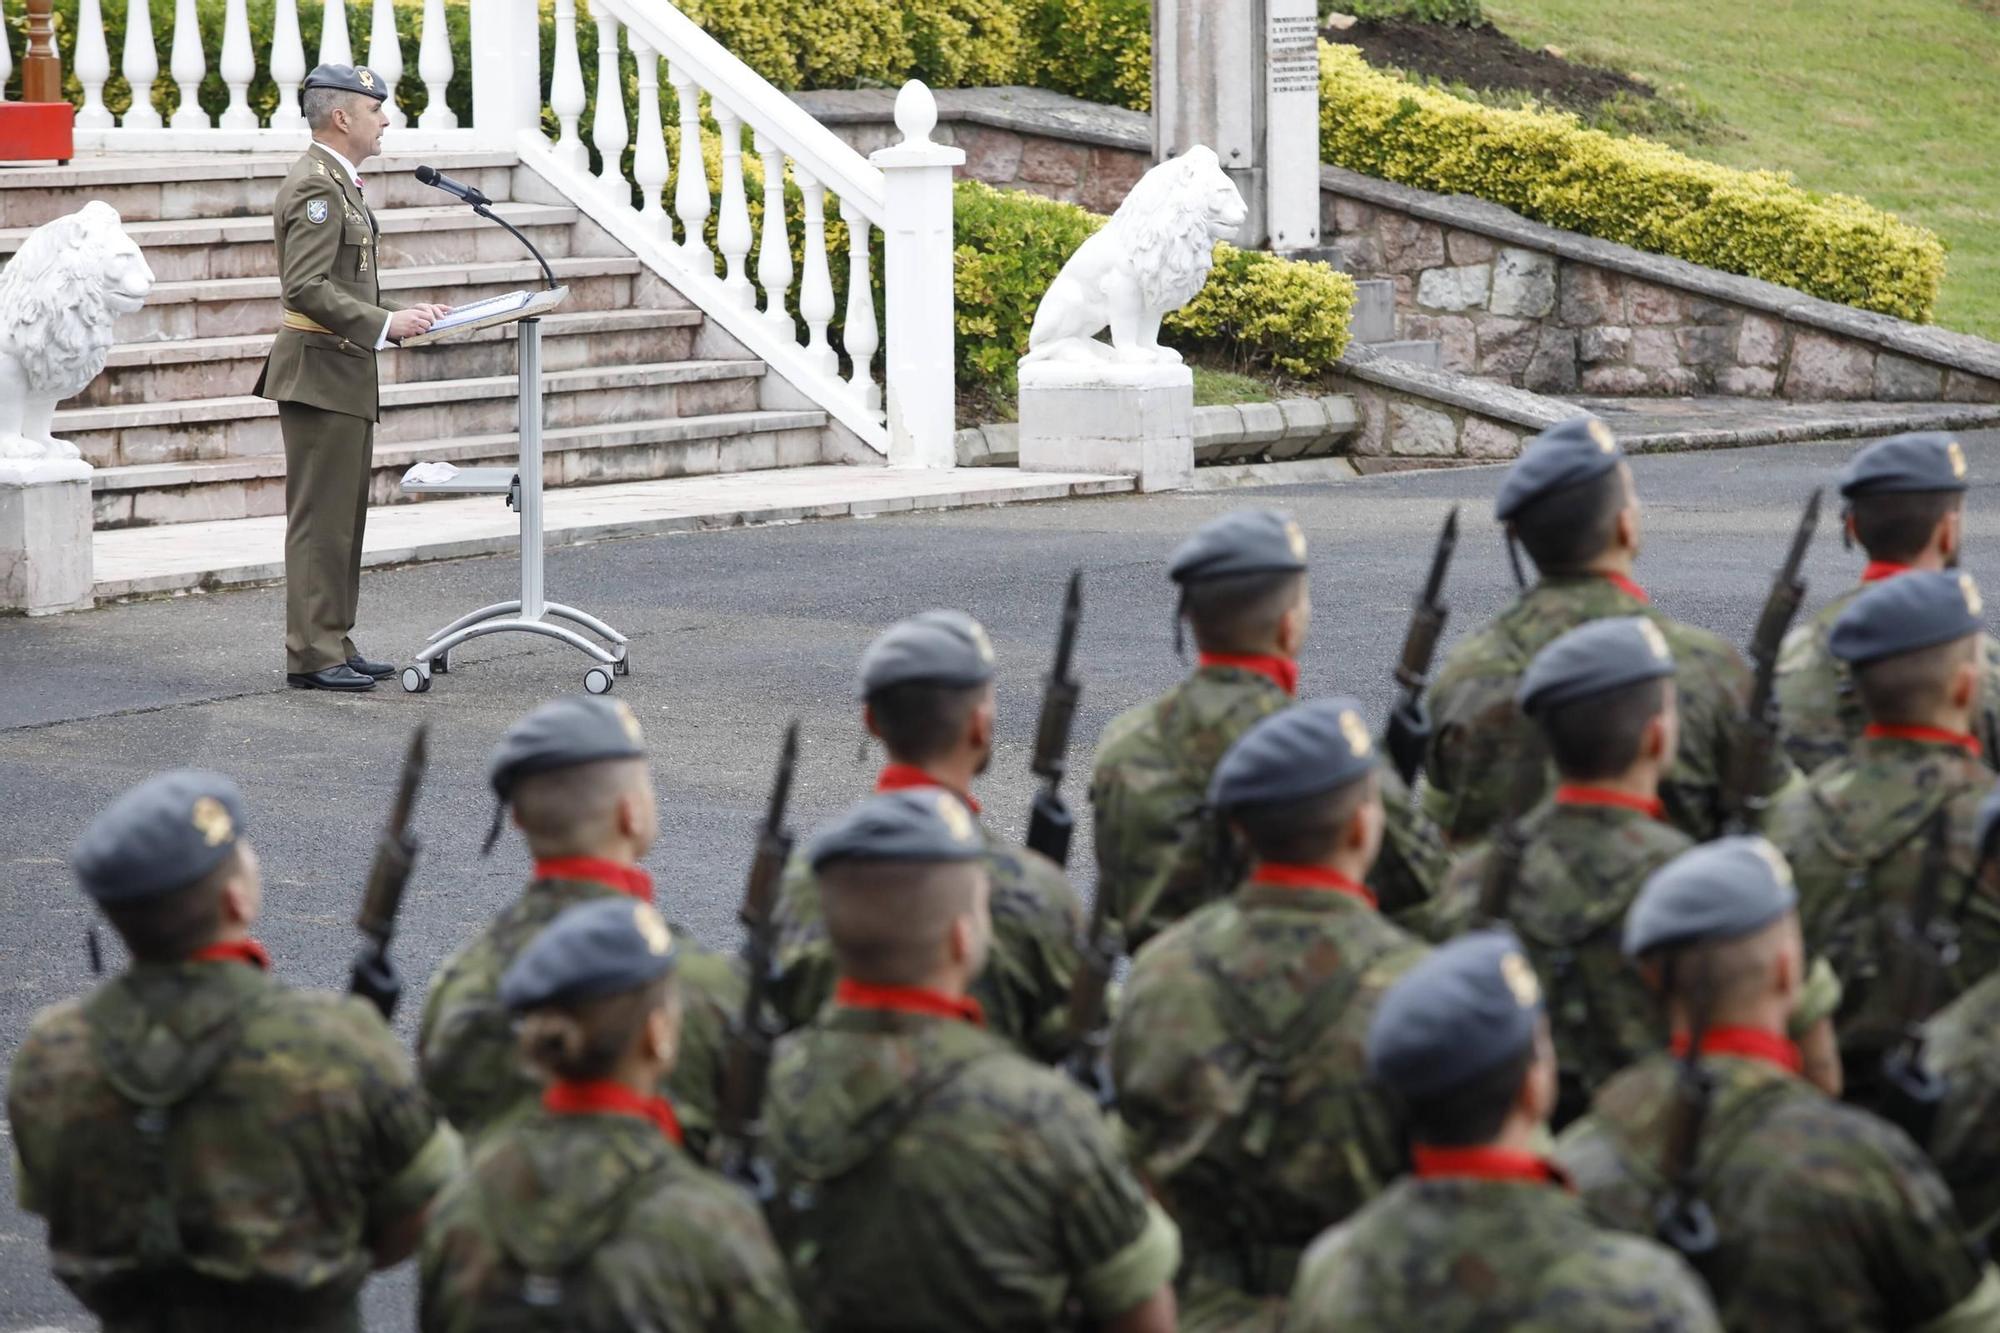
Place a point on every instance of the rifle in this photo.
(373, 976)
(1089, 1019)
(1743, 799)
(1409, 730)
(1050, 822)
(1682, 1219)
(1502, 870)
(739, 1121)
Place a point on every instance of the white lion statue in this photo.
(59, 295)
(1147, 262)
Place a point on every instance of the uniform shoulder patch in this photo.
(316, 210)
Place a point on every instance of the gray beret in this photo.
(1566, 454)
(1721, 890)
(1923, 461)
(1463, 1010)
(161, 835)
(594, 949)
(1917, 610)
(1248, 541)
(1306, 749)
(916, 824)
(938, 648)
(347, 79)
(564, 734)
(1593, 658)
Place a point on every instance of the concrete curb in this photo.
(1285, 429)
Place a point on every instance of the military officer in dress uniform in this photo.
(321, 373)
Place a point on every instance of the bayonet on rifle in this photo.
(374, 976)
(1051, 822)
(1409, 729)
(1743, 796)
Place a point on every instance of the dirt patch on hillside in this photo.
(1485, 57)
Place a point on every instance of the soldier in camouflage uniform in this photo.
(1826, 1217)
(1859, 834)
(1238, 1046)
(927, 687)
(1485, 1233)
(588, 1212)
(928, 1175)
(575, 773)
(1906, 507)
(1569, 500)
(212, 1150)
(1962, 1046)
(1160, 854)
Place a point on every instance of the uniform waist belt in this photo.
(301, 324)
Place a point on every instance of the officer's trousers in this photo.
(328, 461)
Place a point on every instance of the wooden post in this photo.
(41, 68)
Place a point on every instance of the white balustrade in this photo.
(566, 92)
(288, 66)
(434, 66)
(860, 333)
(816, 288)
(608, 131)
(335, 46)
(649, 155)
(774, 254)
(732, 225)
(691, 190)
(93, 66)
(187, 65)
(239, 66)
(141, 64)
(385, 57)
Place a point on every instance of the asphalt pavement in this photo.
(734, 633)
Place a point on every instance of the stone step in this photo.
(1374, 317)
(1419, 351)
(165, 372)
(199, 491)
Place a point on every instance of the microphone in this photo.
(431, 176)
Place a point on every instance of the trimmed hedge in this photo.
(1546, 165)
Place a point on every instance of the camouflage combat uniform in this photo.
(1829, 1218)
(214, 1151)
(1460, 1255)
(1242, 1081)
(1160, 855)
(597, 1224)
(1487, 761)
(465, 1045)
(1963, 1045)
(932, 1178)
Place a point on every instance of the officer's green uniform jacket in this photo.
(466, 1048)
(1856, 836)
(1963, 1045)
(1829, 1218)
(1581, 867)
(1037, 926)
(1240, 1060)
(930, 1177)
(1817, 702)
(1463, 1255)
(330, 274)
(212, 1150)
(1161, 855)
(1487, 761)
(598, 1223)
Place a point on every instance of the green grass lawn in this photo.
(1897, 101)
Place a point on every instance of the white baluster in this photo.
(93, 66)
(774, 258)
(608, 129)
(566, 89)
(239, 66)
(691, 190)
(649, 154)
(385, 57)
(732, 232)
(188, 65)
(335, 47)
(861, 335)
(434, 65)
(141, 65)
(288, 66)
(816, 289)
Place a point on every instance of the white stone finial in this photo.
(916, 112)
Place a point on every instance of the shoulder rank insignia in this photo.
(316, 211)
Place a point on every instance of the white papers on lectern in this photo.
(493, 310)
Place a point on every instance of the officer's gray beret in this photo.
(1721, 890)
(564, 734)
(594, 949)
(1593, 658)
(1566, 454)
(1923, 461)
(1248, 541)
(916, 824)
(1901, 615)
(1306, 749)
(938, 648)
(1465, 1009)
(347, 79)
(161, 835)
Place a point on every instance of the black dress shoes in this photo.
(342, 677)
(378, 670)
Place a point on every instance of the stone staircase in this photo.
(638, 384)
(1373, 325)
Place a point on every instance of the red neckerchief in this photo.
(234, 951)
(604, 1097)
(1280, 876)
(1877, 570)
(1485, 1164)
(1750, 1043)
(1576, 793)
(1629, 588)
(1280, 671)
(908, 1000)
(902, 777)
(617, 875)
(1881, 731)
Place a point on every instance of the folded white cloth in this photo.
(430, 474)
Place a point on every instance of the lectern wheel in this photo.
(597, 680)
(415, 680)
